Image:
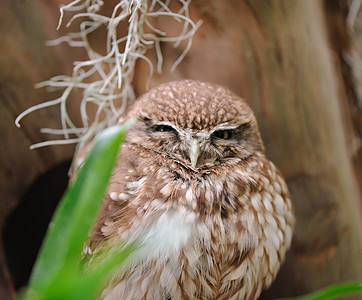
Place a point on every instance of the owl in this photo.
(192, 183)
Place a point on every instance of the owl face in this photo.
(195, 124)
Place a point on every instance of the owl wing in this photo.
(119, 206)
(265, 227)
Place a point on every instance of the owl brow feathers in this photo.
(205, 133)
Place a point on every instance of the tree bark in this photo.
(285, 57)
(279, 56)
(25, 61)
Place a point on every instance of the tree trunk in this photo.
(24, 61)
(285, 57)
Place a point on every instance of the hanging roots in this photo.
(106, 80)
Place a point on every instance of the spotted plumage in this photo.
(193, 184)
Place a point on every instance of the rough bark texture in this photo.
(285, 57)
(24, 61)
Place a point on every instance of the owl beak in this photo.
(194, 151)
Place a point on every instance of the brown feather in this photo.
(234, 210)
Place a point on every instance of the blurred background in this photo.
(297, 63)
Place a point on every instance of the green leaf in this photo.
(61, 251)
(77, 285)
(332, 292)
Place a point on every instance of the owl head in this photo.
(195, 124)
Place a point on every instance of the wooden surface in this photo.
(283, 56)
(24, 61)
(279, 55)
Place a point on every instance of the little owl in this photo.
(192, 182)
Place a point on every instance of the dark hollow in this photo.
(27, 224)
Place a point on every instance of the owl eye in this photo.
(164, 128)
(223, 134)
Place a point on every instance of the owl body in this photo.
(192, 184)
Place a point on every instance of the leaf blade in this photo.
(332, 292)
(75, 215)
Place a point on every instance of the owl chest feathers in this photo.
(212, 236)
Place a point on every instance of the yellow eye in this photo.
(163, 128)
(223, 134)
